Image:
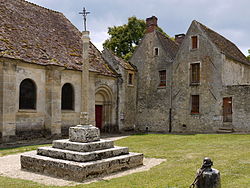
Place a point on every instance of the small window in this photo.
(130, 79)
(195, 73)
(67, 102)
(195, 104)
(156, 51)
(194, 42)
(162, 75)
(27, 95)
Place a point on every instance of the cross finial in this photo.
(84, 13)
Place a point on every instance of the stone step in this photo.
(82, 147)
(79, 171)
(225, 130)
(81, 156)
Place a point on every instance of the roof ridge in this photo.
(215, 32)
(172, 45)
(166, 37)
(39, 6)
(206, 29)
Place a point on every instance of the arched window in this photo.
(67, 97)
(27, 95)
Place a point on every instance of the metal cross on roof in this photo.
(84, 13)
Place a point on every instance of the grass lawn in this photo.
(184, 154)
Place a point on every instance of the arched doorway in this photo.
(103, 108)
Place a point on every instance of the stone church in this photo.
(197, 83)
(40, 80)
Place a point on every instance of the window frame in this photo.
(162, 78)
(194, 46)
(65, 106)
(156, 49)
(195, 105)
(32, 101)
(130, 81)
(194, 80)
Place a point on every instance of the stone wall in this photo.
(241, 106)
(126, 108)
(7, 99)
(47, 118)
(209, 118)
(235, 73)
(128, 112)
(153, 102)
(71, 117)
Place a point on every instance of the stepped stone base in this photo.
(83, 147)
(80, 157)
(78, 171)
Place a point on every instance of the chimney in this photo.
(151, 24)
(179, 38)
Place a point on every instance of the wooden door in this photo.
(98, 116)
(227, 109)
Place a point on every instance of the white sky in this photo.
(230, 18)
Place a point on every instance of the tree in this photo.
(248, 57)
(124, 39)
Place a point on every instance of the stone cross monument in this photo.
(83, 131)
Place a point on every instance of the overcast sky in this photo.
(230, 18)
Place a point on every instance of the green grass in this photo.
(15, 150)
(183, 154)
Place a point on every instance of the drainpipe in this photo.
(171, 102)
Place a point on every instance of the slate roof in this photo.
(224, 45)
(170, 46)
(38, 35)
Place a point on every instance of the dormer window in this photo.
(194, 42)
(156, 51)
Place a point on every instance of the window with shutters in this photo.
(162, 75)
(195, 104)
(194, 73)
(67, 102)
(27, 95)
(194, 40)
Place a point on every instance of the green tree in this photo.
(124, 39)
(248, 57)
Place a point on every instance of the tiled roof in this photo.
(126, 65)
(224, 45)
(38, 35)
(170, 46)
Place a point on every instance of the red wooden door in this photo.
(98, 116)
(227, 109)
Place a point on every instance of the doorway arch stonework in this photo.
(104, 108)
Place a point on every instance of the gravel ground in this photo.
(11, 167)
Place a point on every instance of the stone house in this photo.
(211, 79)
(197, 83)
(41, 55)
(154, 58)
